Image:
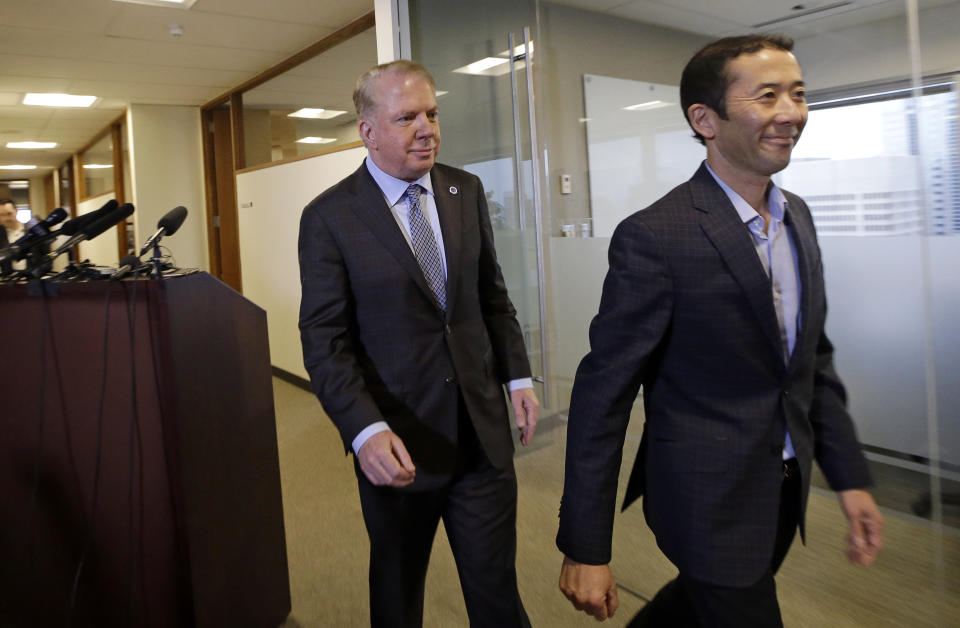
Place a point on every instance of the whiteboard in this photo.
(639, 146)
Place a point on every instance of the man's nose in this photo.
(790, 111)
(425, 127)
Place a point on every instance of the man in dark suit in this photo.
(408, 335)
(714, 303)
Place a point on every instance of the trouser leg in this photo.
(480, 516)
(401, 527)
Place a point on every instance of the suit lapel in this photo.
(733, 241)
(449, 200)
(370, 207)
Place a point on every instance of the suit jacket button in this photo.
(450, 380)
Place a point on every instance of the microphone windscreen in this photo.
(76, 225)
(108, 220)
(55, 217)
(172, 220)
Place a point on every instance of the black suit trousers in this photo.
(478, 507)
(688, 603)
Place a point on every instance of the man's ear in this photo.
(367, 134)
(703, 119)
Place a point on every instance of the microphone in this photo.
(127, 265)
(76, 225)
(38, 234)
(96, 226)
(167, 225)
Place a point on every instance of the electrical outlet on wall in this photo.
(565, 184)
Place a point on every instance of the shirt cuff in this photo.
(366, 433)
(519, 384)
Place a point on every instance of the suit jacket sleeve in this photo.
(327, 329)
(633, 318)
(499, 314)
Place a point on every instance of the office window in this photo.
(907, 147)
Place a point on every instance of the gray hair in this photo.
(363, 100)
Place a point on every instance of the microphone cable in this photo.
(48, 331)
(91, 527)
(135, 453)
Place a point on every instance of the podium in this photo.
(139, 476)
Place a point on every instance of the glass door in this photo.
(480, 55)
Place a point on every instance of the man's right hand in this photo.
(590, 588)
(385, 461)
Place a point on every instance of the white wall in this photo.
(270, 203)
(166, 160)
(879, 51)
(102, 250)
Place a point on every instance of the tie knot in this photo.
(413, 192)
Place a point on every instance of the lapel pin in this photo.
(453, 189)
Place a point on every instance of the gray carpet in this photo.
(915, 583)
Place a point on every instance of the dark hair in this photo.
(363, 100)
(4, 201)
(704, 81)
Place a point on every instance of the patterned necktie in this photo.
(425, 247)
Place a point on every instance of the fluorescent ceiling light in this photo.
(647, 106)
(440, 93)
(316, 140)
(17, 167)
(518, 51)
(18, 185)
(179, 4)
(59, 100)
(31, 144)
(96, 166)
(496, 66)
(316, 114)
(488, 66)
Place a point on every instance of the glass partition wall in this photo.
(308, 108)
(879, 166)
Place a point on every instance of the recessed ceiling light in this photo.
(17, 167)
(488, 66)
(31, 144)
(178, 4)
(647, 106)
(319, 114)
(518, 51)
(440, 93)
(316, 140)
(59, 100)
(96, 166)
(18, 185)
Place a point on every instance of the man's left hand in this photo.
(525, 407)
(866, 526)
